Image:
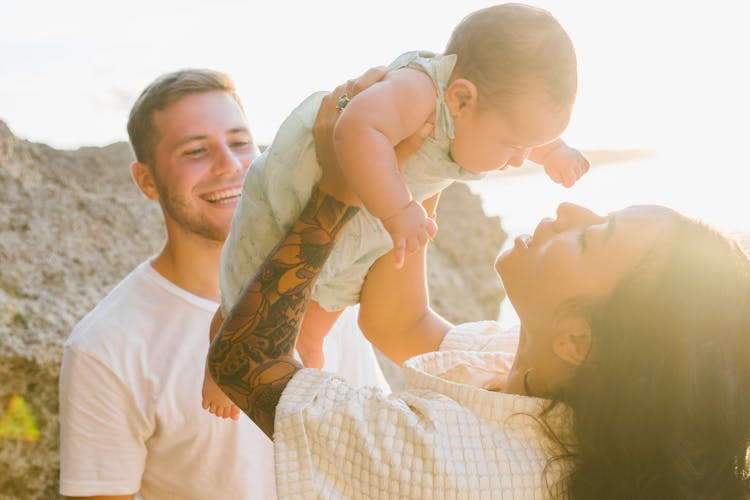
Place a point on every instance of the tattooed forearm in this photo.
(252, 356)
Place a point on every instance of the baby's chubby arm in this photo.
(371, 125)
(563, 164)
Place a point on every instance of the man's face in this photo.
(200, 161)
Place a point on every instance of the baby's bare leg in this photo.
(315, 326)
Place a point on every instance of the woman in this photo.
(630, 377)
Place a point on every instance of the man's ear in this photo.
(460, 95)
(573, 340)
(144, 178)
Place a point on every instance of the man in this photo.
(130, 382)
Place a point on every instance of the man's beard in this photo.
(191, 221)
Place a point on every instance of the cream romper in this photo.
(280, 181)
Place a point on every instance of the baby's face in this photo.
(487, 139)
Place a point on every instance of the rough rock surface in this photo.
(72, 224)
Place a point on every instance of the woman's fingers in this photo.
(366, 80)
(331, 107)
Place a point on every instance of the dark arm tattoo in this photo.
(252, 356)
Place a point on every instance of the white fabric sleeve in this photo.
(486, 336)
(325, 427)
(334, 441)
(102, 433)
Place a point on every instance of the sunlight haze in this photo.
(662, 76)
(651, 74)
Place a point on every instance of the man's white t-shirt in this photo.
(130, 399)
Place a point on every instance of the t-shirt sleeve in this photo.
(485, 336)
(102, 433)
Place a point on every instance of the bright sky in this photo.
(652, 74)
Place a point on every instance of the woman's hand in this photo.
(333, 181)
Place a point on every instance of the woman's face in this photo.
(578, 256)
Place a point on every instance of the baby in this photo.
(502, 92)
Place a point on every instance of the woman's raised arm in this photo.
(395, 312)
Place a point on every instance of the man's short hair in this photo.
(165, 90)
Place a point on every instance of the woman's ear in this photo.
(573, 340)
(144, 178)
(460, 95)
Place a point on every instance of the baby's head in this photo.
(513, 85)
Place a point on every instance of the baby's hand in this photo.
(410, 229)
(565, 165)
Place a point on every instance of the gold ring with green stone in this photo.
(342, 102)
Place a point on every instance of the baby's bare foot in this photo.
(215, 401)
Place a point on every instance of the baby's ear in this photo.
(460, 94)
(573, 339)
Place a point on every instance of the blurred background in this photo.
(662, 106)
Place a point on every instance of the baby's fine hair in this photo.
(164, 91)
(514, 49)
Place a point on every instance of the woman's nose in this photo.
(570, 214)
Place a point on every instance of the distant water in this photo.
(716, 192)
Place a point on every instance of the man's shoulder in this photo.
(123, 307)
(144, 313)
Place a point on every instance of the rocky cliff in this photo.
(72, 224)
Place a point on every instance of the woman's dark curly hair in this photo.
(661, 405)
